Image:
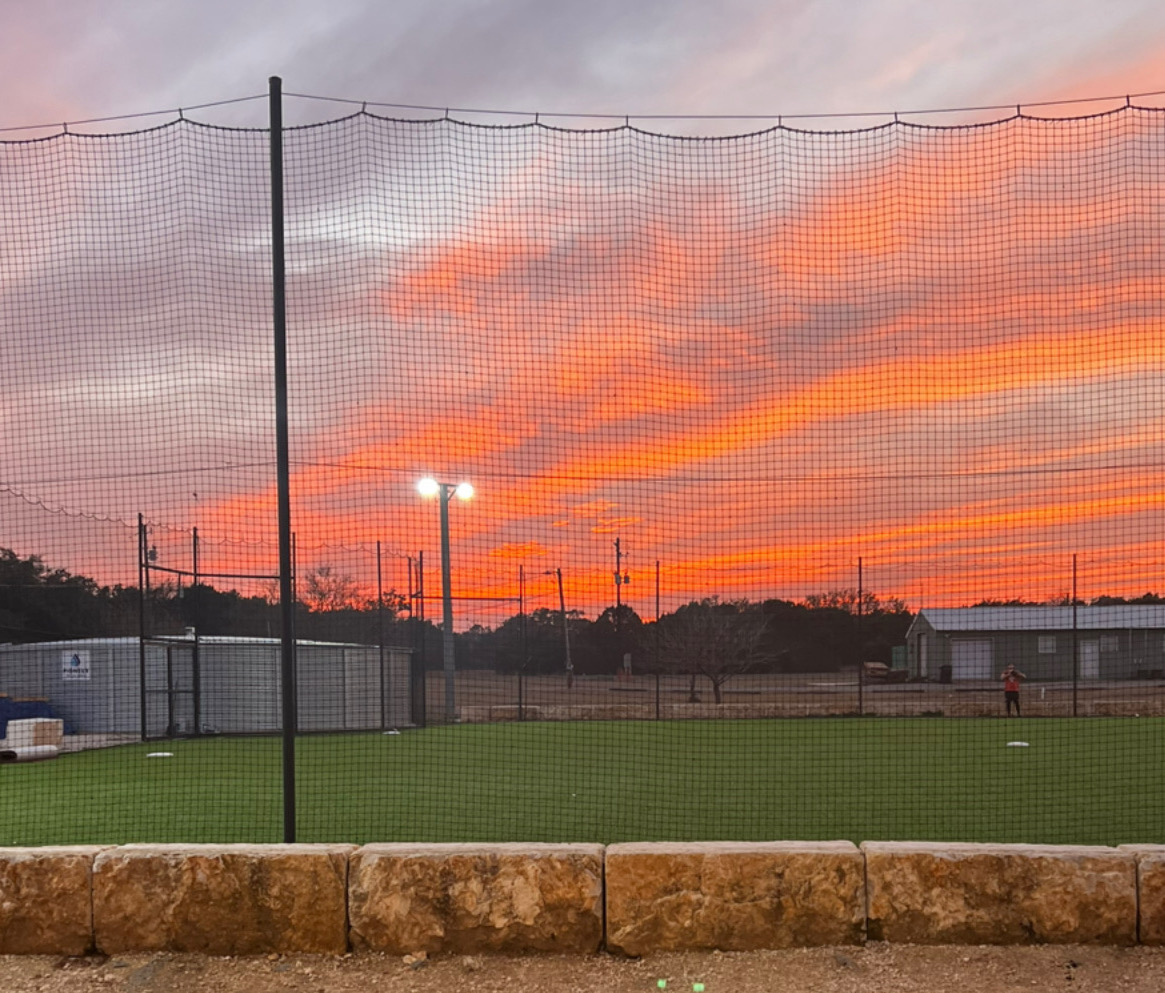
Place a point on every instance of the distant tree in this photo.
(849, 601)
(325, 589)
(533, 642)
(333, 607)
(39, 603)
(714, 639)
(224, 612)
(1144, 598)
(599, 646)
(1015, 602)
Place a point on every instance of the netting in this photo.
(784, 446)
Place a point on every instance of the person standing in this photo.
(1012, 677)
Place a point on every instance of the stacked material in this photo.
(32, 740)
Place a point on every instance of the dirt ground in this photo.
(484, 696)
(876, 968)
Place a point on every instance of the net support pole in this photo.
(1075, 644)
(449, 661)
(420, 668)
(384, 683)
(861, 649)
(283, 461)
(143, 606)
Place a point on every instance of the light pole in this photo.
(429, 487)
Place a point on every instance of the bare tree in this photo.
(324, 589)
(849, 601)
(714, 639)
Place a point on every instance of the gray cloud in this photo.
(89, 58)
(118, 325)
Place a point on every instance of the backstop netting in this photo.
(785, 446)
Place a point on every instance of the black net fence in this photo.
(818, 483)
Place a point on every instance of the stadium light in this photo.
(429, 487)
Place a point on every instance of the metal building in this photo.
(1125, 641)
(210, 685)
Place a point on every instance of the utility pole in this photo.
(565, 631)
(621, 578)
(618, 576)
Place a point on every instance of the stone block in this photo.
(476, 898)
(221, 899)
(999, 894)
(733, 896)
(46, 900)
(1150, 892)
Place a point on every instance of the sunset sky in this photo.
(755, 361)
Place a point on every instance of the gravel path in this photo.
(877, 968)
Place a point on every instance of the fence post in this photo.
(283, 460)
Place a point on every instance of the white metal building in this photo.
(216, 685)
(1123, 641)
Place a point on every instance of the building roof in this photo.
(178, 639)
(1118, 617)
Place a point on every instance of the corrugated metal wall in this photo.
(340, 687)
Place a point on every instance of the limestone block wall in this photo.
(46, 905)
(1000, 894)
(1150, 892)
(476, 898)
(630, 898)
(734, 896)
(221, 899)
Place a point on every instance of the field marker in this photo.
(1018, 744)
(160, 755)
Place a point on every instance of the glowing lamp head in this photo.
(428, 487)
(464, 491)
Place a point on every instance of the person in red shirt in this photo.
(1012, 677)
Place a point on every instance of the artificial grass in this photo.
(1078, 781)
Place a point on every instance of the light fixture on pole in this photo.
(429, 487)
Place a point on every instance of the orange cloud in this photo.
(940, 351)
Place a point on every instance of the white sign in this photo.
(75, 665)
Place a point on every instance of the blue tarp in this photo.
(19, 710)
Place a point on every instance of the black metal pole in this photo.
(421, 716)
(448, 654)
(195, 659)
(861, 651)
(522, 649)
(380, 637)
(283, 460)
(657, 658)
(143, 603)
(1075, 640)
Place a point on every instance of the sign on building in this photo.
(75, 665)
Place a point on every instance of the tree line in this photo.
(709, 640)
(710, 637)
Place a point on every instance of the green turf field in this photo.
(1083, 781)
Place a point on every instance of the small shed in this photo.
(209, 685)
(1125, 641)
